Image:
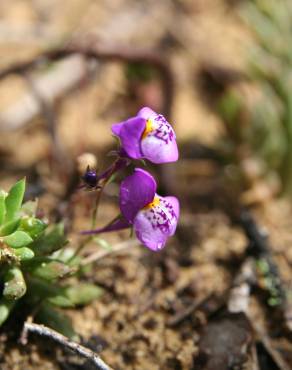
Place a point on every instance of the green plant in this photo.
(39, 271)
(36, 267)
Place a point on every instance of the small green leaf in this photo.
(18, 239)
(263, 266)
(14, 200)
(77, 295)
(52, 240)
(48, 269)
(56, 320)
(2, 206)
(61, 301)
(33, 226)
(5, 308)
(39, 289)
(9, 227)
(66, 255)
(14, 284)
(24, 254)
(45, 290)
(274, 301)
(83, 293)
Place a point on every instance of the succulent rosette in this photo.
(147, 136)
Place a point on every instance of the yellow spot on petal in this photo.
(148, 128)
(155, 202)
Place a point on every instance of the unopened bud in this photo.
(90, 178)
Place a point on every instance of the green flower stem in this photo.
(116, 166)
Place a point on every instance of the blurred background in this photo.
(227, 71)
(220, 71)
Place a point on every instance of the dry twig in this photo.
(187, 312)
(104, 253)
(269, 347)
(67, 343)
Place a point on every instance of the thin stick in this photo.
(268, 345)
(95, 209)
(103, 253)
(255, 361)
(187, 312)
(64, 341)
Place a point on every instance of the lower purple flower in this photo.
(154, 218)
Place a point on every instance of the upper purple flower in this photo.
(149, 136)
(153, 217)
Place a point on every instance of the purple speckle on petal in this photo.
(159, 144)
(147, 135)
(156, 222)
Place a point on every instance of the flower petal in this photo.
(175, 204)
(130, 133)
(136, 192)
(154, 225)
(158, 144)
(149, 136)
(147, 113)
(157, 150)
(116, 128)
(152, 239)
(172, 204)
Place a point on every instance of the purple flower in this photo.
(153, 217)
(149, 136)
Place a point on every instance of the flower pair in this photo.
(153, 217)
